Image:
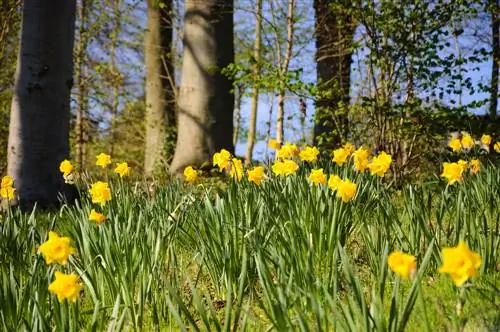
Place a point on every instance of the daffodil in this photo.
(122, 169)
(103, 160)
(96, 216)
(404, 265)
(274, 144)
(66, 167)
(8, 193)
(467, 141)
(317, 177)
(455, 145)
(464, 164)
(340, 156)
(256, 175)
(288, 150)
(380, 164)
(475, 166)
(452, 172)
(333, 182)
(284, 168)
(65, 286)
(190, 174)
(100, 192)
(7, 181)
(222, 159)
(486, 140)
(460, 263)
(346, 190)
(360, 157)
(497, 147)
(349, 148)
(309, 154)
(236, 169)
(56, 249)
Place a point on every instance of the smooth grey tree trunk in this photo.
(205, 112)
(39, 124)
(160, 101)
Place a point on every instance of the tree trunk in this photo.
(334, 34)
(115, 74)
(255, 90)
(160, 106)
(238, 96)
(280, 120)
(80, 75)
(495, 35)
(39, 125)
(205, 119)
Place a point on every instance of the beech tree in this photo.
(205, 106)
(40, 113)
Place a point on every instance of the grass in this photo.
(281, 256)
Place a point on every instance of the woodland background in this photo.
(394, 75)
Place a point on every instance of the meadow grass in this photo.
(285, 255)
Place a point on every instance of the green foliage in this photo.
(284, 255)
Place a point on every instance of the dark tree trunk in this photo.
(39, 125)
(334, 34)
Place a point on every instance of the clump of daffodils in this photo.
(7, 189)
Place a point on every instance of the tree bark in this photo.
(39, 125)
(115, 74)
(238, 96)
(495, 35)
(255, 90)
(280, 121)
(334, 34)
(205, 115)
(80, 75)
(160, 101)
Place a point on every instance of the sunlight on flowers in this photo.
(100, 193)
(452, 172)
(317, 177)
(256, 175)
(288, 150)
(455, 145)
(103, 160)
(309, 154)
(346, 190)
(380, 164)
(467, 142)
(361, 159)
(284, 168)
(236, 169)
(340, 156)
(65, 286)
(56, 249)
(222, 159)
(122, 169)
